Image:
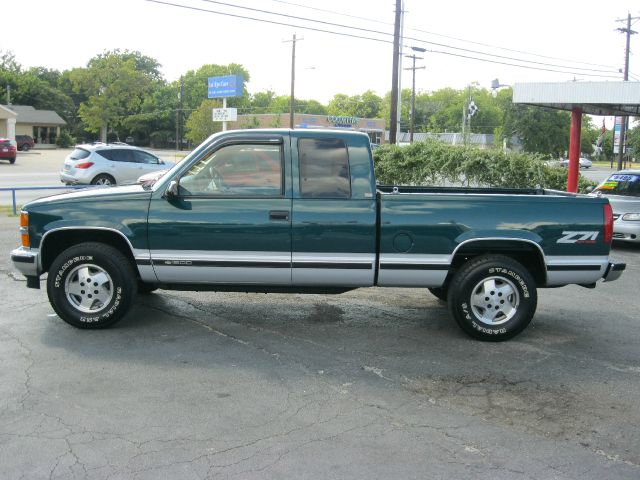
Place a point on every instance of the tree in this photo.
(541, 130)
(633, 142)
(367, 105)
(200, 123)
(115, 84)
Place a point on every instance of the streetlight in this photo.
(413, 86)
(495, 85)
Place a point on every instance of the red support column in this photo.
(574, 149)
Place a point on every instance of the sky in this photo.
(557, 34)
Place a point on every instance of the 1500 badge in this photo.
(578, 237)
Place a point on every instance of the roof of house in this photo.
(28, 114)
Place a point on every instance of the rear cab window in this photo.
(324, 168)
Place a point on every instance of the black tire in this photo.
(12, 160)
(24, 148)
(104, 180)
(492, 298)
(146, 288)
(440, 293)
(114, 285)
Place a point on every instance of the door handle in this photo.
(281, 215)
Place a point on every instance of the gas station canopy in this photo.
(594, 98)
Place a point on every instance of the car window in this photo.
(234, 170)
(79, 154)
(118, 155)
(621, 184)
(144, 157)
(324, 168)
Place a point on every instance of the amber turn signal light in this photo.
(24, 229)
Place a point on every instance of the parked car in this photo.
(623, 191)
(7, 150)
(24, 142)
(584, 162)
(109, 164)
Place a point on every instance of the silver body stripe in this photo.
(420, 271)
(566, 275)
(322, 269)
(169, 268)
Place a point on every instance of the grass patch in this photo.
(7, 210)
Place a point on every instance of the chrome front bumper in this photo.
(26, 261)
(613, 271)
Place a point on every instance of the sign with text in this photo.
(223, 87)
(225, 114)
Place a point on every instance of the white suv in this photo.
(109, 164)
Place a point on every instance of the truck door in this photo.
(228, 220)
(334, 210)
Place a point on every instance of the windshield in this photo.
(627, 184)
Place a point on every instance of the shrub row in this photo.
(436, 163)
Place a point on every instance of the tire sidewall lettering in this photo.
(505, 271)
(65, 266)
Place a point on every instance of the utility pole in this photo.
(625, 119)
(393, 124)
(293, 77)
(413, 88)
(8, 94)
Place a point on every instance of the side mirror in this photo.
(172, 189)
(589, 189)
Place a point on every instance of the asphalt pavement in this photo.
(371, 384)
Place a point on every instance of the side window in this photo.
(117, 155)
(324, 168)
(108, 154)
(236, 170)
(144, 157)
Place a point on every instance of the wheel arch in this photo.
(526, 252)
(56, 241)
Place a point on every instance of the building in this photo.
(374, 127)
(42, 125)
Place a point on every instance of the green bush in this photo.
(65, 140)
(434, 163)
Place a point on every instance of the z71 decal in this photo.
(578, 237)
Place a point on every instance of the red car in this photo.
(7, 150)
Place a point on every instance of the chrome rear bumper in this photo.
(613, 271)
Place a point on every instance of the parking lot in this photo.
(371, 384)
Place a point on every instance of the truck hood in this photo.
(94, 193)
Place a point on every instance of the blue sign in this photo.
(221, 87)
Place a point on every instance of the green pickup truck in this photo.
(300, 211)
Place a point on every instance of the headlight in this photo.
(631, 217)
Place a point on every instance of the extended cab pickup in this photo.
(300, 211)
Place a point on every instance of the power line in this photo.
(362, 37)
(448, 36)
(520, 66)
(368, 30)
(273, 22)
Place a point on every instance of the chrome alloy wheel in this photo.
(88, 288)
(495, 300)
